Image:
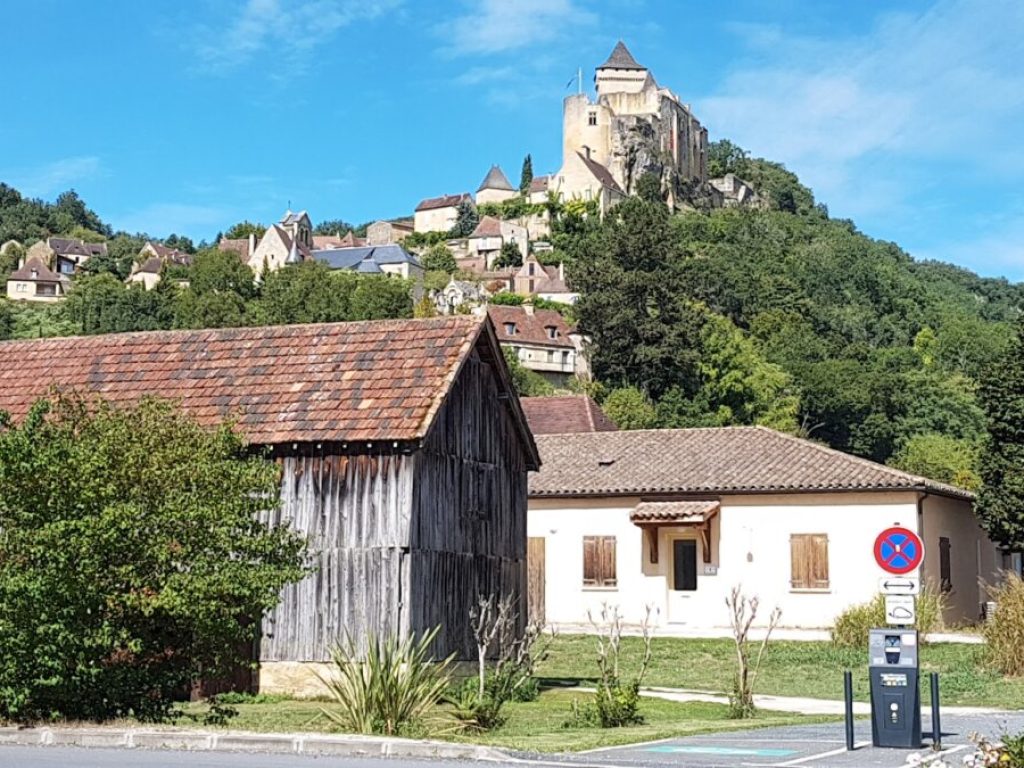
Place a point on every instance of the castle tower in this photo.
(620, 73)
(495, 187)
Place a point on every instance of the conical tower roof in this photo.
(496, 179)
(621, 58)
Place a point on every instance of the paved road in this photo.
(77, 757)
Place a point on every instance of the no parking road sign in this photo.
(898, 550)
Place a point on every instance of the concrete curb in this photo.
(247, 741)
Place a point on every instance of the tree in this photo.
(380, 297)
(1000, 504)
(180, 242)
(103, 304)
(509, 256)
(466, 219)
(6, 320)
(941, 458)
(122, 252)
(214, 270)
(725, 157)
(338, 227)
(527, 383)
(630, 408)
(648, 187)
(439, 258)
(526, 176)
(9, 260)
(309, 292)
(243, 229)
(140, 571)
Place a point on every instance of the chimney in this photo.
(586, 151)
(561, 271)
(21, 263)
(252, 242)
(528, 308)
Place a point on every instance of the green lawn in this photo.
(812, 669)
(534, 726)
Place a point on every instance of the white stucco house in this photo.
(676, 518)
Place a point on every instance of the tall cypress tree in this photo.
(1001, 500)
(526, 176)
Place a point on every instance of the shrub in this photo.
(131, 562)
(1004, 632)
(851, 626)
(391, 688)
(742, 613)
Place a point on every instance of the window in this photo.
(945, 574)
(552, 331)
(530, 270)
(551, 356)
(599, 561)
(588, 194)
(565, 358)
(592, 118)
(684, 565)
(510, 329)
(809, 560)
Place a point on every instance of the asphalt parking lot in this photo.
(807, 746)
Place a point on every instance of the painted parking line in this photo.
(820, 755)
(694, 749)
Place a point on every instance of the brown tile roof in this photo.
(673, 511)
(711, 460)
(489, 226)
(152, 265)
(43, 274)
(365, 381)
(239, 246)
(601, 173)
(530, 329)
(445, 201)
(323, 242)
(539, 184)
(561, 415)
(172, 255)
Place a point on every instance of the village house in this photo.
(388, 232)
(633, 127)
(403, 451)
(564, 414)
(491, 234)
(34, 281)
(438, 214)
(373, 259)
(676, 518)
(495, 187)
(546, 282)
(348, 240)
(459, 297)
(65, 255)
(542, 340)
(151, 260)
(538, 192)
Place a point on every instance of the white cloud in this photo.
(944, 87)
(54, 177)
(285, 30)
(496, 26)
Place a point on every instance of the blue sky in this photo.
(167, 116)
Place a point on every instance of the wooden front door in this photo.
(535, 583)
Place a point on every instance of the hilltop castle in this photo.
(633, 127)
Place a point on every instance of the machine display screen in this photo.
(892, 642)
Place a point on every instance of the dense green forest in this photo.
(778, 315)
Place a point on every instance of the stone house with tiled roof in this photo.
(403, 453)
(65, 255)
(388, 232)
(491, 234)
(34, 281)
(542, 340)
(676, 518)
(495, 187)
(438, 214)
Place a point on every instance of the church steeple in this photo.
(621, 58)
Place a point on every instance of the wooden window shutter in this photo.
(945, 565)
(808, 561)
(599, 561)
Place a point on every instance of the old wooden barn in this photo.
(404, 456)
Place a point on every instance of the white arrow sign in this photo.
(899, 585)
(900, 610)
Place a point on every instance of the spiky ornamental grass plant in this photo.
(391, 688)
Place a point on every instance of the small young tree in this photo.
(132, 561)
(526, 176)
(439, 258)
(742, 612)
(510, 256)
(466, 219)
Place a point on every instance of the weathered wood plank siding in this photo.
(356, 511)
(468, 527)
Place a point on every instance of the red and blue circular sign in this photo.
(898, 550)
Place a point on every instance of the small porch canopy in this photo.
(652, 515)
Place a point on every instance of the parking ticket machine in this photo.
(895, 694)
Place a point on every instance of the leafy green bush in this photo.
(1004, 632)
(131, 561)
(851, 626)
(391, 688)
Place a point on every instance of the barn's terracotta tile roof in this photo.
(710, 460)
(561, 415)
(445, 201)
(530, 328)
(365, 381)
(676, 512)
